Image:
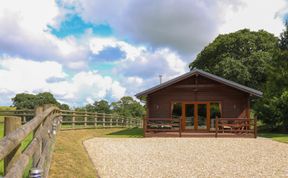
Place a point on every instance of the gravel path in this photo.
(188, 157)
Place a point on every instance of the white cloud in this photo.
(255, 15)
(182, 25)
(18, 75)
(24, 32)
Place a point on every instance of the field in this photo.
(70, 158)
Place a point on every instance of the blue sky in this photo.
(87, 50)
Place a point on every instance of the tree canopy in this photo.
(241, 56)
(30, 101)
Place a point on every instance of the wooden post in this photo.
(36, 156)
(180, 127)
(10, 124)
(117, 121)
(85, 119)
(111, 121)
(144, 125)
(73, 120)
(255, 126)
(104, 120)
(24, 119)
(95, 120)
(216, 127)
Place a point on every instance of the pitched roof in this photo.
(204, 74)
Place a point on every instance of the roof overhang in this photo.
(230, 83)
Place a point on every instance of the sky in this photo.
(87, 50)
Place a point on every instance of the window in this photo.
(215, 110)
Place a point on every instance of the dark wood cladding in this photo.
(234, 102)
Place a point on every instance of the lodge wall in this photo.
(197, 88)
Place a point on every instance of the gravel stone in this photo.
(188, 157)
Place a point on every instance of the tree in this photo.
(30, 101)
(242, 56)
(64, 107)
(272, 108)
(101, 106)
(128, 107)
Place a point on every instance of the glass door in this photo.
(189, 116)
(196, 116)
(202, 116)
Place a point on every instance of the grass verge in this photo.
(70, 158)
(280, 137)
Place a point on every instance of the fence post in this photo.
(95, 120)
(103, 120)
(10, 124)
(117, 120)
(85, 119)
(73, 120)
(216, 127)
(111, 120)
(37, 154)
(255, 126)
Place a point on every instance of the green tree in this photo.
(64, 107)
(242, 56)
(101, 106)
(24, 101)
(272, 108)
(30, 101)
(128, 107)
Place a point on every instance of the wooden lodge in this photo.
(199, 104)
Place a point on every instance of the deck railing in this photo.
(162, 125)
(237, 126)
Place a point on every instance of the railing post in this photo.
(73, 120)
(255, 126)
(216, 127)
(95, 120)
(85, 119)
(144, 125)
(180, 126)
(10, 124)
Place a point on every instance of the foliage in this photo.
(128, 107)
(272, 108)
(242, 56)
(64, 107)
(101, 106)
(30, 101)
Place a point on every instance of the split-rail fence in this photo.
(43, 123)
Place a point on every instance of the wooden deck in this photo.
(224, 127)
(196, 134)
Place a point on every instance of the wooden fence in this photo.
(79, 120)
(43, 123)
(43, 126)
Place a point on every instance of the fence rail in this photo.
(43, 123)
(76, 120)
(43, 126)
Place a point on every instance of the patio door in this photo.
(196, 116)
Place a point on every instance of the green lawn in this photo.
(280, 137)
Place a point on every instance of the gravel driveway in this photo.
(188, 157)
